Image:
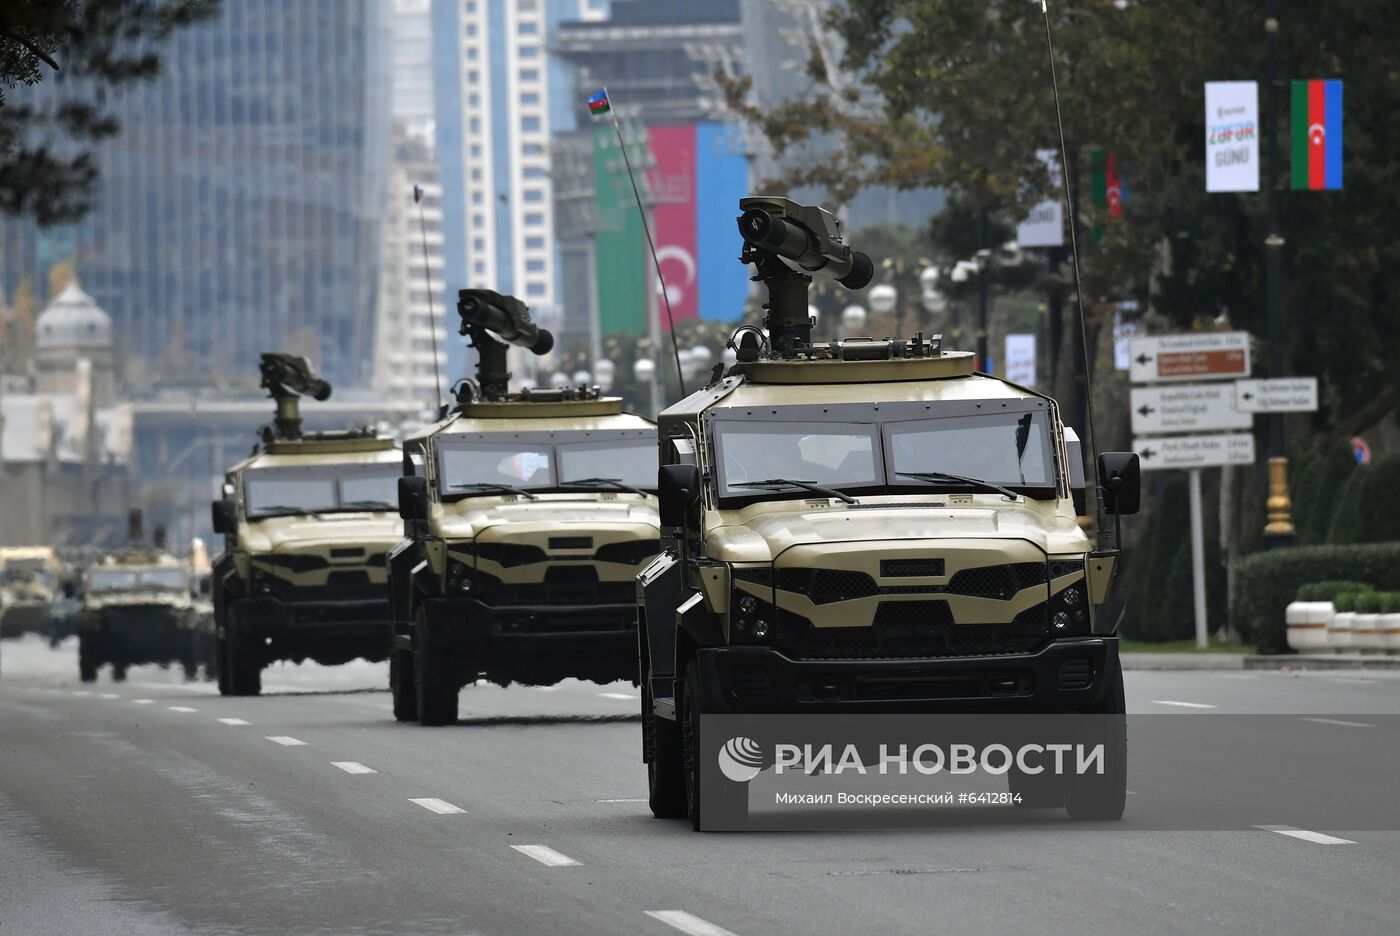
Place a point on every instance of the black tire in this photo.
(118, 672)
(88, 659)
(661, 740)
(1103, 797)
(402, 685)
(700, 799)
(242, 660)
(435, 683)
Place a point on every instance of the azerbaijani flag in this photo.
(598, 103)
(1106, 182)
(1317, 135)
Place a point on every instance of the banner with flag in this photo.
(1317, 135)
(1107, 185)
(598, 104)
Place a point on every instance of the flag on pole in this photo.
(598, 103)
(417, 194)
(1317, 135)
(1107, 184)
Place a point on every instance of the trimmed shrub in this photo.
(1347, 601)
(1366, 602)
(1390, 602)
(1317, 492)
(1267, 581)
(1326, 591)
(1379, 509)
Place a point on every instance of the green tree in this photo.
(47, 167)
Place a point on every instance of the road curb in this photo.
(1183, 661)
(1320, 661)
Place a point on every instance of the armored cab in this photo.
(527, 517)
(306, 520)
(29, 583)
(137, 608)
(867, 526)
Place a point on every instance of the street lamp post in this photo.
(1278, 531)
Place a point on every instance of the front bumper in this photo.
(1064, 675)
(266, 616)
(601, 630)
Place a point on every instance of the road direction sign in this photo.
(1193, 356)
(1187, 408)
(1195, 451)
(1285, 395)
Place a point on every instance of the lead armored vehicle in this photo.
(306, 520)
(868, 526)
(136, 608)
(527, 517)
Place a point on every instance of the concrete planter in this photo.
(1307, 625)
(1364, 638)
(1339, 632)
(1388, 629)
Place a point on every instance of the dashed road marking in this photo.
(81, 692)
(624, 696)
(688, 923)
(1317, 838)
(545, 855)
(1181, 704)
(181, 708)
(142, 701)
(350, 766)
(109, 695)
(1338, 721)
(627, 799)
(286, 740)
(441, 807)
(232, 721)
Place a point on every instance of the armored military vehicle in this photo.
(868, 526)
(29, 578)
(527, 516)
(136, 608)
(306, 521)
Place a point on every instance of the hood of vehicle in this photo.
(546, 514)
(376, 531)
(765, 536)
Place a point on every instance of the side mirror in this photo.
(1120, 476)
(678, 488)
(224, 514)
(413, 497)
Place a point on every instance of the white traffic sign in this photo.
(1197, 451)
(1187, 408)
(1284, 395)
(1192, 356)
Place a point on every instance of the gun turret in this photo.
(493, 321)
(287, 377)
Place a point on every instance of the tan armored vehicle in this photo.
(527, 518)
(136, 608)
(868, 526)
(29, 580)
(307, 520)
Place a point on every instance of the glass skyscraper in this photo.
(239, 209)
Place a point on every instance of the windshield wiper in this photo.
(934, 477)
(806, 485)
(281, 510)
(369, 505)
(492, 486)
(596, 482)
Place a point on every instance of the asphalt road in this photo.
(157, 807)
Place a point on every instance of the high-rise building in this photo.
(239, 209)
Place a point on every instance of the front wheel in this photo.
(402, 685)
(435, 682)
(1103, 796)
(88, 659)
(240, 669)
(666, 779)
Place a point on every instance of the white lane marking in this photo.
(1355, 680)
(1181, 704)
(688, 923)
(232, 721)
(350, 766)
(181, 708)
(286, 740)
(1131, 792)
(1317, 838)
(545, 855)
(142, 701)
(624, 696)
(109, 695)
(628, 799)
(441, 807)
(1338, 721)
(81, 692)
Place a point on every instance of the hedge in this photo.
(1266, 582)
(1327, 591)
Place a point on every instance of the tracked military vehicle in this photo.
(867, 526)
(306, 520)
(137, 608)
(527, 517)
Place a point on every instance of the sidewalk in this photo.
(1244, 661)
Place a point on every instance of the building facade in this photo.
(239, 208)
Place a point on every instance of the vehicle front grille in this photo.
(909, 629)
(562, 585)
(341, 585)
(824, 586)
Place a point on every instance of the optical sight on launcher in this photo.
(492, 321)
(286, 377)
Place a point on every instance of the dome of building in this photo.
(73, 320)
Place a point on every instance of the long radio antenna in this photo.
(428, 276)
(1106, 538)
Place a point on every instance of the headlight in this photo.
(459, 576)
(261, 582)
(752, 620)
(1069, 609)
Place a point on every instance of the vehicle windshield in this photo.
(477, 466)
(272, 492)
(169, 579)
(26, 570)
(1010, 449)
(112, 580)
(173, 579)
